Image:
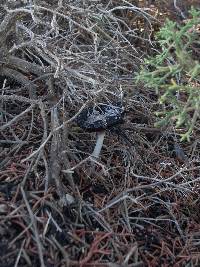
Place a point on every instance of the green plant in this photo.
(174, 72)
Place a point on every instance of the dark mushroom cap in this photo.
(100, 117)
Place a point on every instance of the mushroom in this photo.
(98, 119)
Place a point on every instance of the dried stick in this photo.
(35, 229)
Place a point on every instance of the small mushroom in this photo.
(98, 119)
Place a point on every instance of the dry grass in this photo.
(139, 204)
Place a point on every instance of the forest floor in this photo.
(139, 204)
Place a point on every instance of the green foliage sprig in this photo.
(174, 72)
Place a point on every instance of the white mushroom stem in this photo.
(97, 150)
